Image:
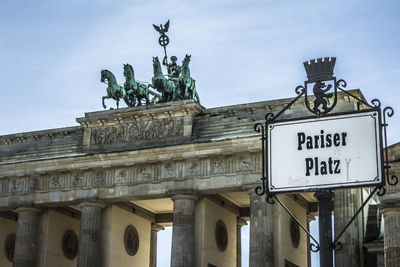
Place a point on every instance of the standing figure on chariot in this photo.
(174, 70)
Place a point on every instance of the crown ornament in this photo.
(320, 69)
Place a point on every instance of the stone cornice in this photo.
(141, 113)
(35, 136)
(129, 158)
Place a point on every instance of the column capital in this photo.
(185, 197)
(241, 222)
(92, 204)
(252, 191)
(156, 227)
(310, 217)
(386, 208)
(28, 209)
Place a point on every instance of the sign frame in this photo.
(378, 146)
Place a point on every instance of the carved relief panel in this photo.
(139, 131)
(218, 166)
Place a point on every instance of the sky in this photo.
(52, 52)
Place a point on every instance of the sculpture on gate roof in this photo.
(177, 84)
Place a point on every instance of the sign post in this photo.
(324, 198)
(324, 151)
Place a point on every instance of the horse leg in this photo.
(105, 97)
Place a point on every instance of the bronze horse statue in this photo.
(114, 90)
(186, 83)
(136, 91)
(163, 85)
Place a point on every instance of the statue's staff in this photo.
(163, 40)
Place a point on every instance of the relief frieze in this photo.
(77, 179)
(121, 176)
(139, 131)
(192, 169)
(244, 164)
(139, 174)
(217, 166)
(144, 174)
(15, 186)
(54, 182)
(99, 178)
(33, 185)
(169, 170)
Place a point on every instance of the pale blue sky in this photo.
(242, 51)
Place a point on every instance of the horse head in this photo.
(128, 71)
(107, 77)
(186, 60)
(157, 67)
(103, 76)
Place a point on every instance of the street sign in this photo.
(325, 152)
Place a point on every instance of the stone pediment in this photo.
(139, 127)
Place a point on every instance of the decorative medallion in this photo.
(9, 247)
(131, 240)
(221, 236)
(294, 233)
(70, 244)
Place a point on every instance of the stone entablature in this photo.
(202, 167)
(163, 124)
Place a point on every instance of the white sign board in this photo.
(327, 152)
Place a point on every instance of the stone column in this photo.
(391, 219)
(261, 232)
(89, 254)
(345, 206)
(182, 254)
(25, 252)
(153, 244)
(240, 224)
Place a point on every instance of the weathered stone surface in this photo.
(89, 254)
(261, 232)
(346, 203)
(391, 217)
(182, 254)
(41, 144)
(26, 243)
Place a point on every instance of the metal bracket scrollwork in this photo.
(261, 189)
(338, 246)
(381, 191)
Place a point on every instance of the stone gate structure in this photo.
(97, 194)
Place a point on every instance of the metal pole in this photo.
(165, 53)
(324, 198)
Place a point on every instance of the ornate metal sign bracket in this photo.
(325, 89)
